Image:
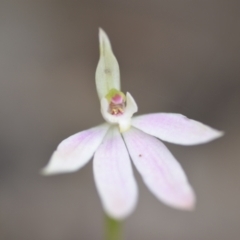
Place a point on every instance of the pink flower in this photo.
(123, 136)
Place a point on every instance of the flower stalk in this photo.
(113, 228)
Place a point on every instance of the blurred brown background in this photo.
(175, 56)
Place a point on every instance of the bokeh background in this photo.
(175, 56)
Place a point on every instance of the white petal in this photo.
(176, 128)
(107, 73)
(75, 151)
(160, 171)
(114, 176)
(124, 120)
(131, 107)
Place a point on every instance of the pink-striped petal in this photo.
(114, 176)
(160, 171)
(175, 128)
(75, 151)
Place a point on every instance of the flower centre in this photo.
(116, 101)
(116, 109)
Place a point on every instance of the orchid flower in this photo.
(122, 137)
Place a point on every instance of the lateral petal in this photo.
(114, 176)
(159, 169)
(75, 151)
(175, 128)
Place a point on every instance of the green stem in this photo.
(113, 229)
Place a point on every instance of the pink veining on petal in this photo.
(159, 169)
(71, 143)
(175, 128)
(114, 176)
(75, 151)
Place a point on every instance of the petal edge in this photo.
(160, 171)
(176, 128)
(113, 176)
(75, 151)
